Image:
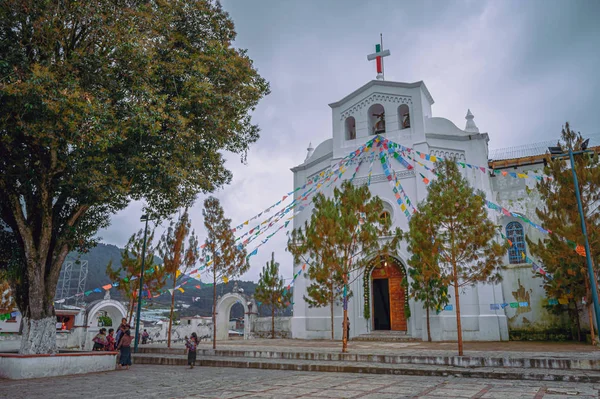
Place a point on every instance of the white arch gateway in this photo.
(115, 310)
(223, 310)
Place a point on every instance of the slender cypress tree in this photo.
(131, 265)
(228, 260)
(566, 261)
(271, 291)
(464, 236)
(427, 284)
(342, 231)
(178, 258)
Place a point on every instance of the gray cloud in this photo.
(523, 68)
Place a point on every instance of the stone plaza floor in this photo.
(149, 381)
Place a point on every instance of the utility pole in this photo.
(557, 151)
(144, 218)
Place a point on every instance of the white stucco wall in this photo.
(261, 327)
(40, 366)
(202, 328)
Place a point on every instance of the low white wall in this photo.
(11, 326)
(10, 343)
(17, 367)
(261, 327)
(202, 328)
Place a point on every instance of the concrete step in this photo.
(533, 362)
(386, 336)
(586, 376)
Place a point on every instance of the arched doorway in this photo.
(224, 305)
(388, 293)
(110, 308)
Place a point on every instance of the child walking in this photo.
(191, 344)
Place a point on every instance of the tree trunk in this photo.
(575, 312)
(39, 336)
(457, 300)
(35, 300)
(273, 321)
(44, 258)
(171, 316)
(332, 320)
(345, 319)
(214, 314)
(589, 309)
(428, 327)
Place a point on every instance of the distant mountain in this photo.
(98, 259)
(100, 256)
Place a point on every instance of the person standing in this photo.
(100, 340)
(191, 345)
(121, 330)
(125, 350)
(145, 337)
(110, 340)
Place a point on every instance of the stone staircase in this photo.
(510, 368)
(385, 336)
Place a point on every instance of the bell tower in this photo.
(395, 110)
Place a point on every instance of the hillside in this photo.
(100, 256)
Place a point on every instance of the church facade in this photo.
(402, 113)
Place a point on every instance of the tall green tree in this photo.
(271, 291)
(228, 260)
(177, 257)
(131, 265)
(102, 103)
(570, 281)
(464, 236)
(427, 284)
(344, 232)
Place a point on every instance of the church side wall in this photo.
(520, 284)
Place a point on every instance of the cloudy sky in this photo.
(522, 67)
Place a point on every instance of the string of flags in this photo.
(580, 249)
(315, 180)
(483, 169)
(331, 175)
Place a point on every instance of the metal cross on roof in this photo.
(378, 56)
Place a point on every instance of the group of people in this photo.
(121, 342)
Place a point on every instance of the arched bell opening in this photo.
(376, 117)
(350, 128)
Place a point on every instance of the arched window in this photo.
(385, 215)
(350, 128)
(403, 117)
(376, 118)
(514, 232)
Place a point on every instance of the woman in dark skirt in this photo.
(125, 349)
(191, 345)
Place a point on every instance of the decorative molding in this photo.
(445, 153)
(375, 98)
(359, 181)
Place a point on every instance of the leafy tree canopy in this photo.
(102, 103)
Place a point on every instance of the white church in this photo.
(402, 113)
